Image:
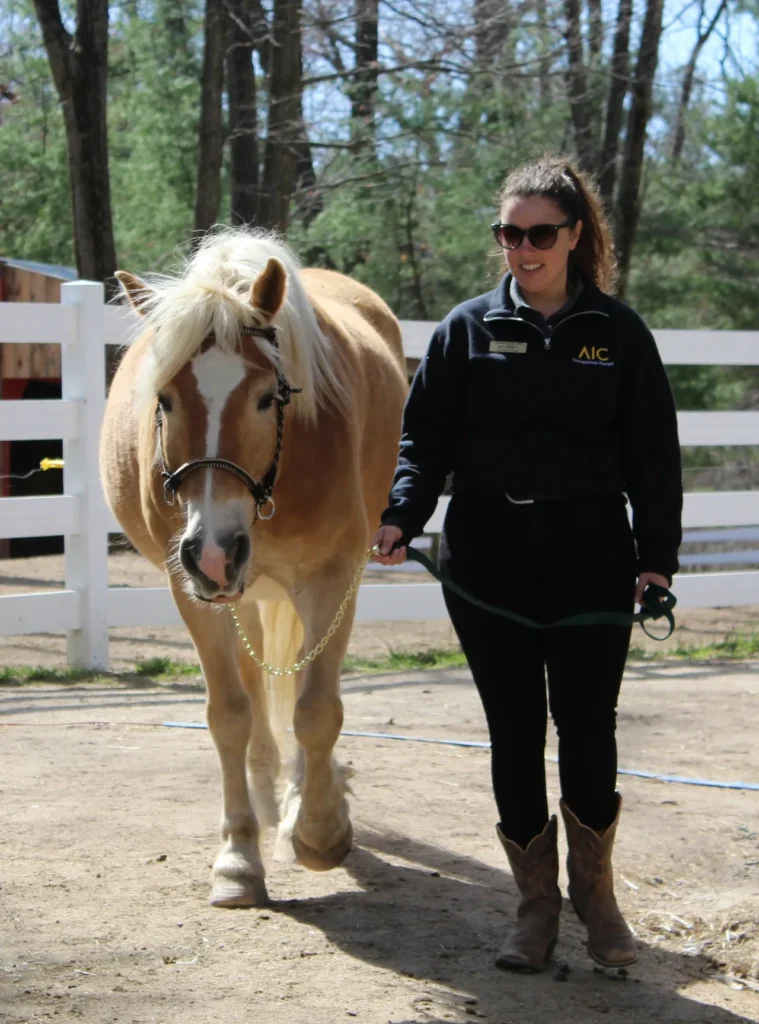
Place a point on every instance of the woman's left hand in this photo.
(649, 577)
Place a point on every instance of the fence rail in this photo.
(87, 606)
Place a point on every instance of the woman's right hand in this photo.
(384, 539)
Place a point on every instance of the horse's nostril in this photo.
(189, 550)
(240, 551)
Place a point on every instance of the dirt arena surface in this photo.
(109, 830)
(369, 639)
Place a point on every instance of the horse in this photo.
(248, 444)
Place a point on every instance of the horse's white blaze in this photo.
(217, 374)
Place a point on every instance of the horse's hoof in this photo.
(322, 860)
(239, 892)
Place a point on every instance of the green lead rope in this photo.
(658, 603)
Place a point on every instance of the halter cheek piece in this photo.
(261, 490)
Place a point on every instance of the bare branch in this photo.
(689, 76)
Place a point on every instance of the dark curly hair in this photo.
(578, 197)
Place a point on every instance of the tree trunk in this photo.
(285, 127)
(620, 80)
(363, 88)
(243, 121)
(208, 192)
(173, 17)
(261, 33)
(628, 198)
(490, 29)
(544, 64)
(492, 22)
(688, 77)
(309, 199)
(596, 76)
(595, 31)
(79, 66)
(577, 87)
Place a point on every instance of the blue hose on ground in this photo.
(681, 779)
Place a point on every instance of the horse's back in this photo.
(341, 297)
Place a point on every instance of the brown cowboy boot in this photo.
(536, 873)
(591, 890)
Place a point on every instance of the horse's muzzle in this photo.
(216, 567)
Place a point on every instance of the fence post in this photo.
(83, 380)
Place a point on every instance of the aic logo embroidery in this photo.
(590, 355)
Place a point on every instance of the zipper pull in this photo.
(546, 343)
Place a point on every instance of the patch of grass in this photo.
(636, 653)
(10, 676)
(736, 647)
(399, 661)
(152, 668)
(162, 668)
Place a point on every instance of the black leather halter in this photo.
(261, 490)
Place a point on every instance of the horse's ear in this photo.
(136, 290)
(267, 293)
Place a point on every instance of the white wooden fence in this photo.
(87, 606)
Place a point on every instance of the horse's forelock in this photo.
(211, 296)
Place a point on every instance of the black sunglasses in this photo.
(541, 236)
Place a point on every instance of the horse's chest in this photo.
(264, 588)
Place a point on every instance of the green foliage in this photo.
(697, 254)
(153, 124)
(35, 202)
(418, 230)
(732, 250)
(408, 211)
(154, 91)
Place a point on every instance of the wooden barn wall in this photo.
(29, 362)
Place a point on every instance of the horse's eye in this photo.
(266, 401)
(165, 403)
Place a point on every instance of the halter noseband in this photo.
(260, 490)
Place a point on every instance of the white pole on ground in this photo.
(83, 381)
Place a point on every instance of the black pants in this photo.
(546, 560)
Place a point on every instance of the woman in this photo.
(547, 400)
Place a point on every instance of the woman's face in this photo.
(539, 270)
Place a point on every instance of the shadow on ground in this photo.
(440, 918)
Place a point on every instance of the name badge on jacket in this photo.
(512, 347)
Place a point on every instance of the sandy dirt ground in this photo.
(369, 640)
(109, 830)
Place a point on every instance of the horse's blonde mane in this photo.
(210, 295)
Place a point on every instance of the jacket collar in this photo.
(502, 301)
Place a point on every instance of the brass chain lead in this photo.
(314, 653)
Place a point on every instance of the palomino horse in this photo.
(248, 493)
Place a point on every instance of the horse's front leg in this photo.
(315, 816)
(238, 873)
(263, 752)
